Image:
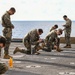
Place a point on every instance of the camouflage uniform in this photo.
(52, 29)
(7, 31)
(30, 40)
(67, 32)
(58, 39)
(50, 39)
(3, 67)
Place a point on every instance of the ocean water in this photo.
(23, 27)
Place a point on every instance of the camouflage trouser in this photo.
(27, 44)
(50, 43)
(3, 68)
(67, 39)
(7, 32)
(57, 42)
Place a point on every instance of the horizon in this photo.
(41, 20)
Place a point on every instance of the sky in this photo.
(47, 10)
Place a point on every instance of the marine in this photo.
(54, 27)
(67, 31)
(7, 31)
(31, 41)
(58, 39)
(50, 40)
(3, 66)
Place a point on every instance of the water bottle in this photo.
(10, 62)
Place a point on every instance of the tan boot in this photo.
(59, 49)
(16, 50)
(38, 48)
(67, 47)
(37, 53)
(7, 57)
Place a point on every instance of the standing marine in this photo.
(67, 31)
(7, 31)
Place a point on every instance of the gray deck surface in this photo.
(47, 63)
